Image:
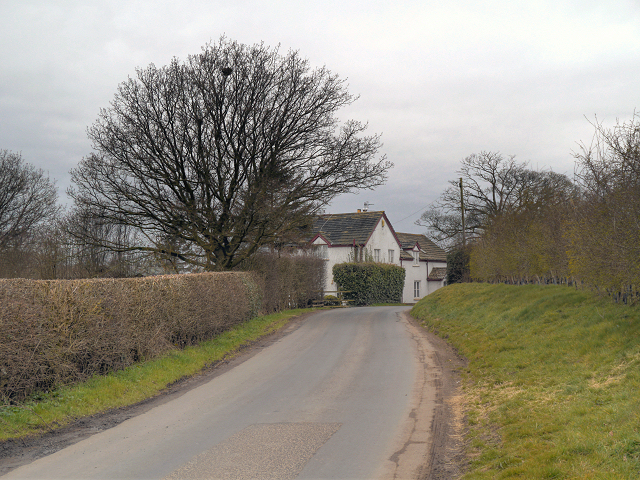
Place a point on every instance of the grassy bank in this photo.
(553, 381)
(132, 385)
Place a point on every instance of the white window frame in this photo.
(391, 256)
(376, 254)
(416, 289)
(416, 258)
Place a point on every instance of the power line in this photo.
(418, 211)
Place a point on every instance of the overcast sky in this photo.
(439, 80)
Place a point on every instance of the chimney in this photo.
(359, 211)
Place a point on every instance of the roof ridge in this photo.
(348, 213)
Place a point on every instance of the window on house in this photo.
(416, 289)
(416, 258)
(390, 256)
(376, 254)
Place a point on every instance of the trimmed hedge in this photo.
(63, 331)
(368, 283)
(288, 281)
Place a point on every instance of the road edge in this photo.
(439, 418)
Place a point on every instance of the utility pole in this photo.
(464, 235)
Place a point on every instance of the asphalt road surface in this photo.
(343, 396)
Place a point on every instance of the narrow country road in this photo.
(343, 396)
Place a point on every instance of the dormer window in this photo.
(416, 258)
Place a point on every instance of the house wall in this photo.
(383, 240)
(419, 273)
(414, 273)
(335, 255)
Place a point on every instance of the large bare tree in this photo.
(216, 156)
(27, 199)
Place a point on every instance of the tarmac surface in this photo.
(354, 393)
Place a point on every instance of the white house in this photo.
(369, 236)
(425, 263)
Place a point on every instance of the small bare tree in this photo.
(612, 160)
(233, 149)
(93, 258)
(487, 182)
(28, 199)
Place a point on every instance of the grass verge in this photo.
(553, 381)
(127, 387)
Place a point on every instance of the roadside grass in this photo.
(552, 385)
(57, 408)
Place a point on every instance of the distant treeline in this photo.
(504, 222)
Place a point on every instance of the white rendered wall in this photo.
(336, 255)
(419, 273)
(414, 272)
(383, 240)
